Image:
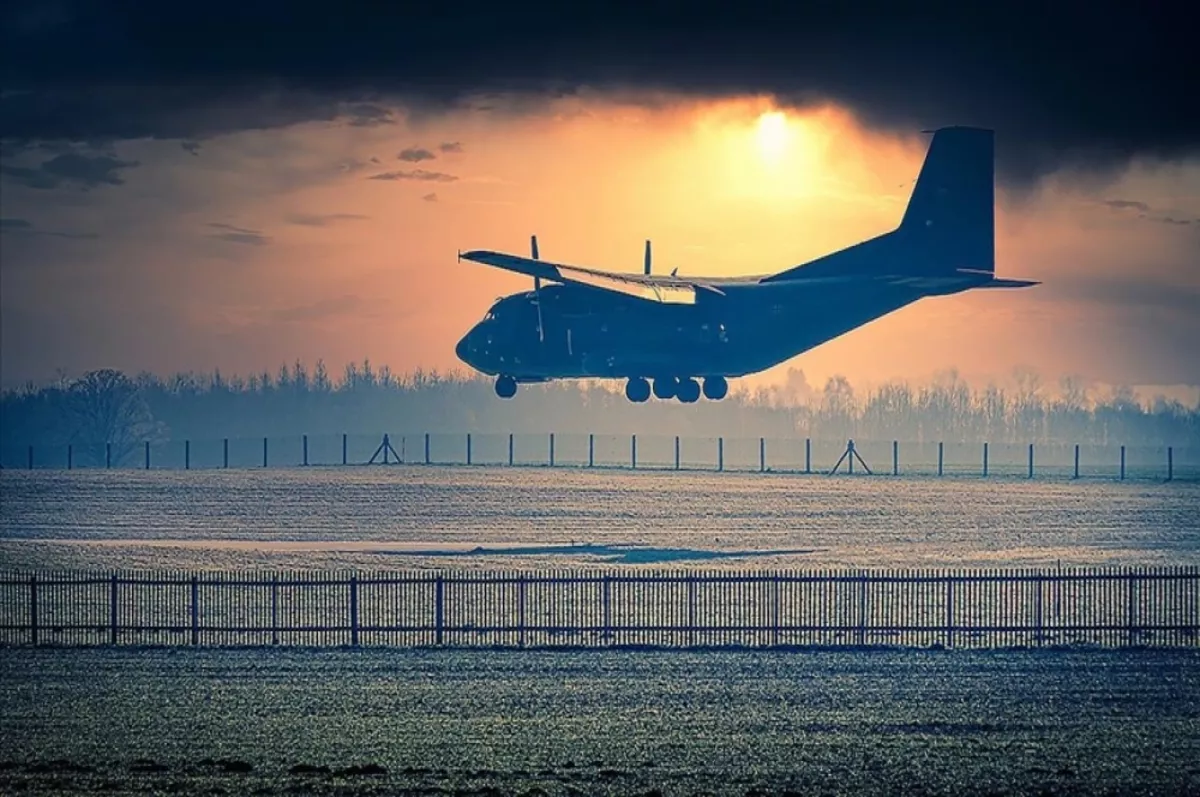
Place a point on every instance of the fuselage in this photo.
(747, 328)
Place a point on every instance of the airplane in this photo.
(679, 337)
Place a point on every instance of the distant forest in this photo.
(111, 407)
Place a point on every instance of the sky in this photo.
(261, 182)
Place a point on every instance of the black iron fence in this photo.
(745, 454)
(912, 608)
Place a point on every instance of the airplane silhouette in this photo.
(678, 333)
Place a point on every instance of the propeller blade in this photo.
(647, 258)
(533, 246)
(537, 289)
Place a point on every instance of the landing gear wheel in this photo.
(688, 391)
(506, 387)
(715, 388)
(665, 387)
(637, 390)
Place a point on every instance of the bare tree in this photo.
(107, 408)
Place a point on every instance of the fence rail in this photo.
(663, 452)
(1109, 607)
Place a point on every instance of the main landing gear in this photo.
(687, 390)
(506, 387)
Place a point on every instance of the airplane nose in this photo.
(461, 349)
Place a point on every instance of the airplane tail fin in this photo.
(949, 224)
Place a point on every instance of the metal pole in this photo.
(1031, 460)
(1170, 463)
(807, 455)
(306, 450)
(70, 456)
(344, 448)
(895, 457)
(427, 448)
(591, 450)
(1122, 463)
(941, 459)
(187, 454)
(112, 610)
(108, 455)
(676, 452)
(147, 455)
(33, 610)
(1076, 461)
(633, 451)
(31, 457)
(195, 611)
(264, 452)
(762, 455)
(720, 454)
(510, 448)
(468, 448)
(985, 459)
(354, 611)
(226, 447)
(552, 449)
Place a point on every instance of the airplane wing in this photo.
(668, 290)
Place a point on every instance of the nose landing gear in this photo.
(715, 388)
(506, 387)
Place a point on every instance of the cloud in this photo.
(450, 146)
(1172, 220)
(12, 226)
(1127, 204)
(71, 168)
(430, 197)
(321, 219)
(191, 146)
(416, 174)
(1070, 91)
(416, 155)
(369, 115)
(238, 235)
(320, 310)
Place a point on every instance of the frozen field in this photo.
(439, 722)
(399, 517)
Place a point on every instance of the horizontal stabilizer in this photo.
(1003, 283)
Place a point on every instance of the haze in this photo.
(336, 239)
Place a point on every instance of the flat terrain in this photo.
(322, 721)
(445, 516)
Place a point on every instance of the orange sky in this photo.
(318, 260)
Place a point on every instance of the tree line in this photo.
(108, 407)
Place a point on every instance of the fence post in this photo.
(521, 610)
(949, 611)
(985, 463)
(147, 455)
(354, 611)
(70, 456)
(808, 455)
(510, 449)
(1170, 464)
(33, 610)
(468, 448)
(941, 448)
(720, 454)
(344, 447)
(31, 457)
(226, 448)
(1122, 463)
(552, 449)
(108, 455)
(438, 609)
(591, 450)
(112, 610)
(1031, 460)
(305, 438)
(606, 608)
(676, 452)
(275, 610)
(187, 454)
(862, 608)
(633, 451)
(762, 455)
(427, 448)
(195, 610)
(895, 457)
(1076, 476)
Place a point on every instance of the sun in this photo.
(773, 135)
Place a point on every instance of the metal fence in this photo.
(662, 452)
(680, 609)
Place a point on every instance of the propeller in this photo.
(537, 289)
(647, 258)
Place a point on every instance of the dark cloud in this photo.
(450, 146)
(191, 146)
(238, 235)
(1127, 204)
(1068, 84)
(430, 197)
(416, 174)
(71, 168)
(415, 155)
(322, 219)
(25, 227)
(1175, 221)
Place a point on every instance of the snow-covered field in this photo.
(398, 517)
(450, 722)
